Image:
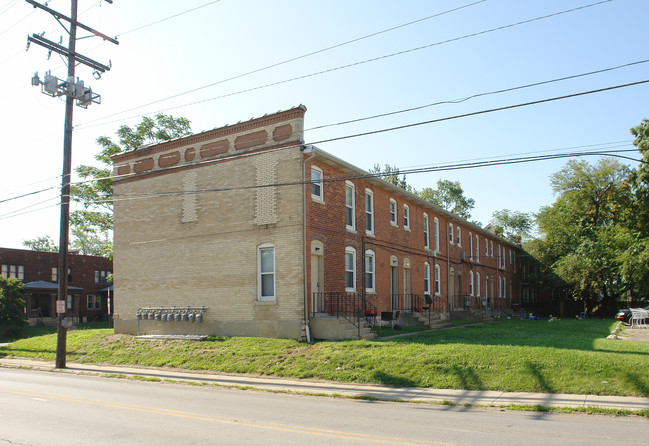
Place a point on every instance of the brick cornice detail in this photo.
(293, 113)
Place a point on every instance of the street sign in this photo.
(60, 307)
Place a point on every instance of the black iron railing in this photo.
(357, 308)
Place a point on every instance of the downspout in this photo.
(303, 149)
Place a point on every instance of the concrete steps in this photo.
(421, 320)
(332, 328)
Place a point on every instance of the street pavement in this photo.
(326, 388)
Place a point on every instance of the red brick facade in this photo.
(399, 250)
(36, 266)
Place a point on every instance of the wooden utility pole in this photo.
(73, 91)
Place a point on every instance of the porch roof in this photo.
(43, 285)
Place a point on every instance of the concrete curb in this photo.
(407, 394)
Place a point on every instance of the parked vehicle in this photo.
(625, 314)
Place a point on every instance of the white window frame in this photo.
(13, 272)
(261, 274)
(317, 183)
(350, 251)
(491, 244)
(471, 284)
(406, 217)
(458, 232)
(451, 234)
(350, 207)
(436, 233)
(470, 246)
(393, 212)
(426, 278)
(369, 255)
(93, 302)
(477, 248)
(486, 247)
(55, 274)
(426, 232)
(477, 284)
(369, 212)
(438, 283)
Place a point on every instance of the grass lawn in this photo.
(565, 356)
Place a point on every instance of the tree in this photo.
(91, 226)
(449, 195)
(12, 307)
(583, 233)
(513, 225)
(44, 243)
(391, 175)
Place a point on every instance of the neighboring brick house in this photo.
(245, 230)
(88, 295)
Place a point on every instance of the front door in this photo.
(451, 287)
(394, 287)
(317, 283)
(407, 290)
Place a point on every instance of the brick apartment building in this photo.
(88, 290)
(245, 230)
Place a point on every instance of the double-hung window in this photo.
(406, 216)
(470, 246)
(370, 262)
(350, 269)
(316, 184)
(426, 278)
(451, 237)
(477, 284)
(426, 236)
(471, 283)
(350, 211)
(438, 289)
(94, 302)
(266, 268)
(393, 212)
(459, 236)
(477, 248)
(369, 211)
(436, 232)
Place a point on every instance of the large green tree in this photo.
(391, 175)
(92, 225)
(449, 195)
(583, 234)
(515, 226)
(45, 243)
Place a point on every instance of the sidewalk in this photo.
(407, 394)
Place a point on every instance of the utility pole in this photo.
(74, 90)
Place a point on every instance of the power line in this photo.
(294, 59)
(457, 101)
(491, 110)
(167, 18)
(386, 56)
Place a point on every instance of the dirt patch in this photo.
(634, 334)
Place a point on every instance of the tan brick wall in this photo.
(201, 249)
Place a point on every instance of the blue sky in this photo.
(225, 39)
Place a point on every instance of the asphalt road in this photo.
(42, 408)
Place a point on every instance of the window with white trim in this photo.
(504, 287)
(350, 269)
(369, 211)
(500, 287)
(459, 236)
(350, 206)
(316, 184)
(426, 278)
(266, 272)
(470, 246)
(406, 216)
(491, 245)
(426, 237)
(486, 247)
(393, 212)
(477, 284)
(477, 248)
(436, 232)
(451, 234)
(101, 276)
(471, 283)
(370, 262)
(438, 275)
(55, 274)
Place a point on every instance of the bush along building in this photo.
(245, 230)
(89, 292)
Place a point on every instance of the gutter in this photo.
(305, 149)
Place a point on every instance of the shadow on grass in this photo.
(543, 383)
(468, 377)
(638, 381)
(392, 380)
(564, 334)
